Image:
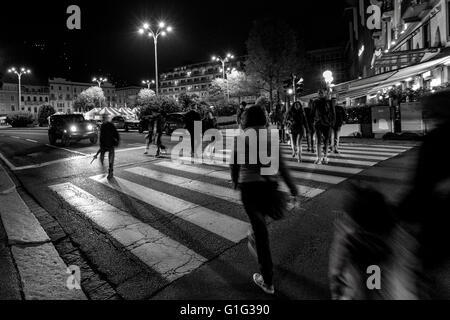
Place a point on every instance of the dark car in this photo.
(71, 127)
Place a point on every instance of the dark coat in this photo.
(109, 136)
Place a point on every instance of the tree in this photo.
(144, 97)
(45, 111)
(187, 101)
(158, 104)
(273, 55)
(89, 99)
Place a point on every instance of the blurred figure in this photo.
(155, 131)
(296, 124)
(280, 113)
(426, 207)
(324, 118)
(190, 118)
(260, 197)
(311, 131)
(109, 140)
(240, 112)
(369, 236)
(341, 118)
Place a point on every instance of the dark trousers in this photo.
(254, 207)
(111, 157)
(159, 144)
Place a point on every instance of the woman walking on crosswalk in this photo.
(260, 195)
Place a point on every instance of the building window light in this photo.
(426, 75)
(435, 83)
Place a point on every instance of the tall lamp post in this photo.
(100, 81)
(223, 61)
(23, 71)
(148, 83)
(161, 30)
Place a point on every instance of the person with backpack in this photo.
(296, 124)
(324, 119)
(260, 195)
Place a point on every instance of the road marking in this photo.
(312, 166)
(29, 140)
(130, 149)
(9, 164)
(161, 253)
(220, 192)
(46, 164)
(68, 150)
(343, 155)
(15, 137)
(304, 191)
(395, 151)
(357, 151)
(227, 227)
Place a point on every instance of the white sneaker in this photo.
(325, 161)
(318, 161)
(259, 281)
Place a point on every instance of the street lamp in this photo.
(227, 58)
(100, 81)
(148, 83)
(19, 74)
(328, 76)
(161, 30)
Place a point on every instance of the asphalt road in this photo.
(176, 230)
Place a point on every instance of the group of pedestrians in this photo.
(319, 123)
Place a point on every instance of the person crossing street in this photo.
(297, 125)
(109, 140)
(324, 119)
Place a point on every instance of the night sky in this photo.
(34, 33)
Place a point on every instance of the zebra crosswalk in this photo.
(189, 193)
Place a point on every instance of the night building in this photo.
(195, 78)
(63, 93)
(126, 96)
(32, 97)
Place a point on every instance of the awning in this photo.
(408, 72)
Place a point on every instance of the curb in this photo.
(42, 272)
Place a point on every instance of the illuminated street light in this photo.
(162, 30)
(225, 60)
(23, 71)
(100, 81)
(148, 83)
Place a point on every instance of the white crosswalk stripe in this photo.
(171, 258)
(225, 226)
(305, 191)
(164, 255)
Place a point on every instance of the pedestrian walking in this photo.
(260, 197)
(324, 119)
(156, 123)
(310, 129)
(280, 114)
(109, 140)
(240, 112)
(340, 120)
(296, 124)
(190, 118)
(425, 207)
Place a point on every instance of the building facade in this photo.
(63, 93)
(127, 96)
(32, 97)
(195, 78)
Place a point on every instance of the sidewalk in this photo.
(31, 267)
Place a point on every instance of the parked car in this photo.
(71, 127)
(131, 124)
(119, 122)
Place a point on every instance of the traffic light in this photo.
(299, 86)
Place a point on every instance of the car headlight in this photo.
(90, 127)
(73, 129)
